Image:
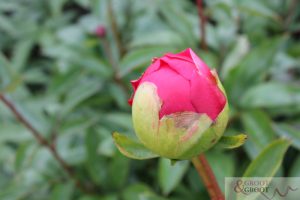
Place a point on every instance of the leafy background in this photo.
(73, 86)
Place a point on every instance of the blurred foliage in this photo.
(73, 86)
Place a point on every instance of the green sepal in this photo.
(132, 148)
(231, 142)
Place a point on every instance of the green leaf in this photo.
(289, 132)
(263, 95)
(118, 170)
(94, 162)
(119, 119)
(94, 65)
(106, 145)
(13, 85)
(256, 8)
(140, 58)
(6, 71)
(71, 153)
(84, 90)
(131, 148)
(140, 191)
(35, 75)
(56, 6)
(16, 191)
(62, 191)
(61, 83)
(7, 26)
(231, 142)
(88, 197)
(21, 53)
(103, 197)
(251, 70)
(295, 169)
(179, 21)
(158, 38)
(194, 181)
(269, 160)
(236, 55)
(71, 35)
(14, 132)
(169, 176)
(259, 130)
(119, 94)
(21, 156)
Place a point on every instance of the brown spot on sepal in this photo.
(185, 119)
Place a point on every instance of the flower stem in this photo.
(205, 172)
(114, 28)
(44, 142)
(202, 24)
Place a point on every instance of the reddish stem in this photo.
(114, 28)
(44, 142)
(202, 24)
(205, 172)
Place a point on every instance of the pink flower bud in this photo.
(100, 31)
(179, 106)
(184, 83)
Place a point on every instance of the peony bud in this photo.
(100, 31)
(179, 107)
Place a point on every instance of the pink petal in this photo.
(183, 67)
(185, 54)
(204, 69)
(206, 96)
(135, 83)
(187, 57)
(173, 90)
(185, 83)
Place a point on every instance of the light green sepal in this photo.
(231, 142)
(132, 148)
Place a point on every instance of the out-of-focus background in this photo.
(65, 66)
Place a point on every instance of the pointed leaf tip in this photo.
(231, 142)
(132, 148)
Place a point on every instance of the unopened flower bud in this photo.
(179, 107)
(100, 31)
